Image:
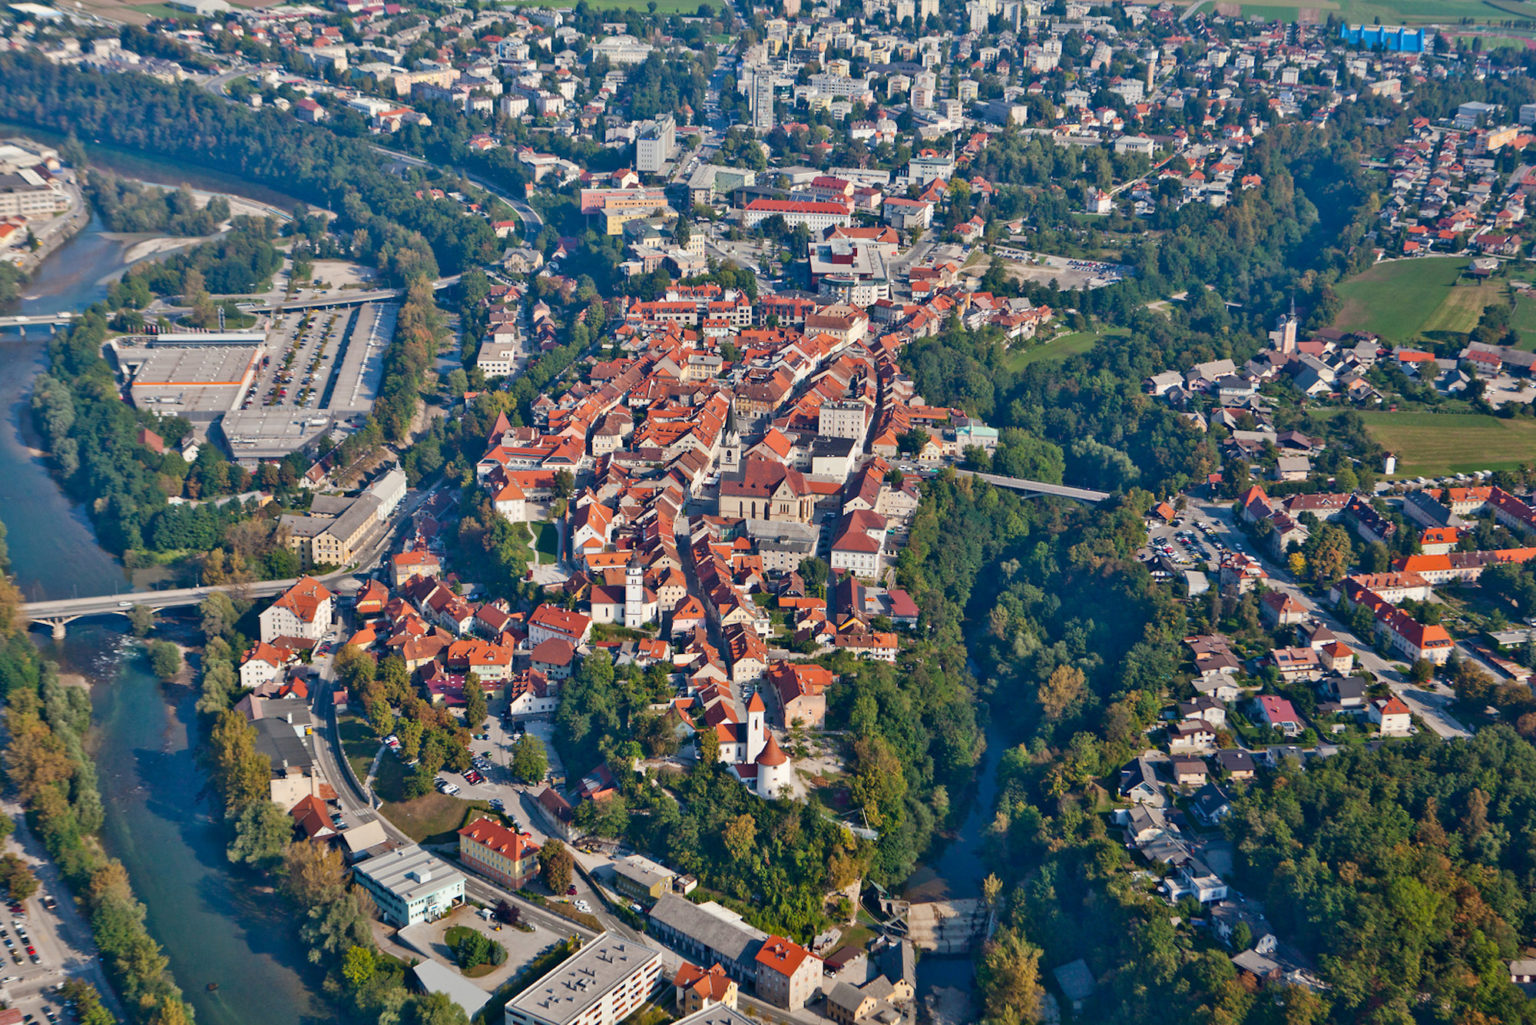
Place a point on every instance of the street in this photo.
(1430, 703)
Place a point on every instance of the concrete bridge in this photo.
(1038, 487)
(60, 612)
(49, 320)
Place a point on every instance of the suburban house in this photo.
(1391, 716)
(788, 975)
(1278, 713)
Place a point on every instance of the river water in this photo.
(215, 928)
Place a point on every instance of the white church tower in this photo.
(634, 596)
(757, 732)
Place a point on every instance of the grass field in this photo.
(1059, 348)
(1397, 299)
(1523, 320)
(1461, 308)
(1391, 12)
(431, 818)
(1431, 444)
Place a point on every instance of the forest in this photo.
(403, 233)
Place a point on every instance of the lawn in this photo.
(432, 818)
(1397, 299)
(1059, 348)
(1463, 307)
(546, 539)
(1431, 444)
(358, 740)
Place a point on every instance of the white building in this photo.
(304, 611)
(601, 984)
(655, 144)
(409, 885)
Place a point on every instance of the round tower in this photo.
(773, 770)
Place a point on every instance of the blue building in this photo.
(1381, 37)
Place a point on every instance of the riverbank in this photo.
(58, 231)
(212, 925)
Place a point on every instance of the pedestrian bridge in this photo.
(1038, 487)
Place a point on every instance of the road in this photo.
(1430, 703)
(531, 220)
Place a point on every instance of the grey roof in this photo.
(410, 873)
(275, 739)
(730, 940)
(437, 978)
(846, 997)
(716, 1015)
(582, 980)
(1075, 980)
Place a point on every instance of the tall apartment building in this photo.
(655, 144)
(762, 101)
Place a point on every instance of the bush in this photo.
(472, 948)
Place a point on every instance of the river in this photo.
(214, 927)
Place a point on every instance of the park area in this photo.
(1434, 444)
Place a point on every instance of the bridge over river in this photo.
(62, 611)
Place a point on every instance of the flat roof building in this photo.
(601, 984)
(409, 885)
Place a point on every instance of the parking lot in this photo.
(522, 947)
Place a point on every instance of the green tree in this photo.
(475, 708)
(164, 659)
(556, 865)
(262, 832)
(1009, 979)
(142, 619)
(359, 966)
(530, 763)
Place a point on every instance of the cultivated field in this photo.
(1432, 444)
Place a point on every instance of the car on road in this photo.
(498, 804)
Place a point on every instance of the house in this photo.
(1139, 782)
(707, 932)
(1278, 713)
(1190, 736)
(550, 621)
(1189, 772)
(1235, 763)
(801, 691)
(788, 975)
(640, 878)
(1296, 663)
(695, 989)
(505, 855)
(1210, 804)
(1076, 982)
(305, 611)
(1278, 609)
(1206, 709)
(1391, 716)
